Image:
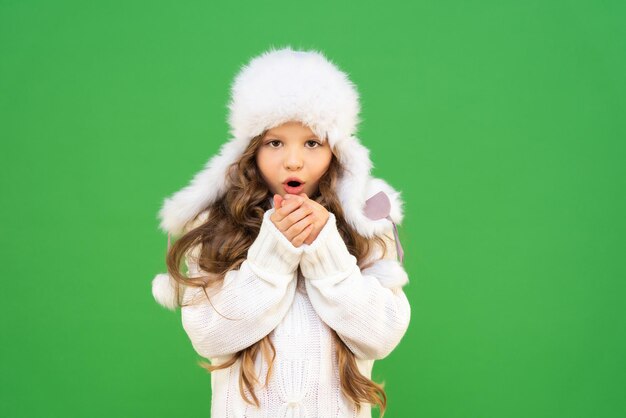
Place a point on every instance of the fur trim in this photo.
(205, 187)
(283, 84)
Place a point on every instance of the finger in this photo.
(297, 227)
(293, 218)
(310, 238)
(299, 239)
(293, 197)
(277, 201)
(296, 215)
(287, 207)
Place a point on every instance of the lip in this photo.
(293, 179)
(293, 190)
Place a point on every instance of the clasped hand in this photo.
(299, 218)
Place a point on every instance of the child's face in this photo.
(292, 150)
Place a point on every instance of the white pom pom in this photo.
(164, 291)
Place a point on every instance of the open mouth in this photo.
(293, 186)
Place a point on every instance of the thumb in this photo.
(278, 200)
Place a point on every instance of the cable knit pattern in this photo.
(298, 308)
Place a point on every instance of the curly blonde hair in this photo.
(231, 225)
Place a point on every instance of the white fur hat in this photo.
(282, 85)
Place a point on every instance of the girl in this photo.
(292, 287)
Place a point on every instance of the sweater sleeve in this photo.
(251, 301)
(368, 309)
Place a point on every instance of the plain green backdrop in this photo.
(502, 123)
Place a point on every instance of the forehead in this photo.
(291, 128)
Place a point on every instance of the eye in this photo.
(315, 143)
(272, 142)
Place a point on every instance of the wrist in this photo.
(272, 251)
(328, 255)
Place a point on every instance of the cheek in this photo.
(266, 164)
(323, 165)
(261, 161)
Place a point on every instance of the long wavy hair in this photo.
(232, 224)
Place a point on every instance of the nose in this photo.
(293, 160)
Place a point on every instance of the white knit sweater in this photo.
(368, 309)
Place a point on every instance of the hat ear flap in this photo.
(379, 207)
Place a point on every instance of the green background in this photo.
(502, 123)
